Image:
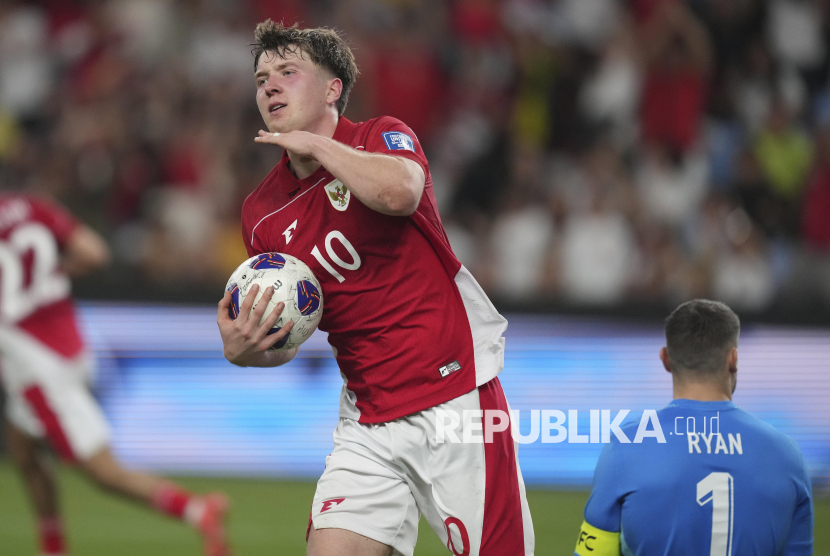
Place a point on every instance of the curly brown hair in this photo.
(324, 46)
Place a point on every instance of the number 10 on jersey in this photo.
(353, 265)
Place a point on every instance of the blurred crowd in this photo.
(588, 152)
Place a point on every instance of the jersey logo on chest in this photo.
(288, 230)
(338, 194)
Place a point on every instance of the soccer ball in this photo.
(294, 284)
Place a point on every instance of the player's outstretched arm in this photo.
(388, 184)
(245, 341)
(85, 251)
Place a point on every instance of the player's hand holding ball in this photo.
(272, 302)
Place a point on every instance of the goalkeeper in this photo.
(722, 483)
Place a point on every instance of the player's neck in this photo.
(302, 167)
(701, 391)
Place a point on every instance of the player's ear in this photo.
(664, 357)
(335, 89)
(732, 360)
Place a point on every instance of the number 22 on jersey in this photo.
(20, 297)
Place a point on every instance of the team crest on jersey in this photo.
(398, 141)
(339, 195)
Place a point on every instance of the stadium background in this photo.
(596, 162)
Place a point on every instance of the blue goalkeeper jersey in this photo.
(742, 492)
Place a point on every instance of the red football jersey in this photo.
(409, 326)
(34, 291)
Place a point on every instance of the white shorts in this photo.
(47, 396)
(379, 479)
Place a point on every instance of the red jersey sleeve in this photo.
(54, 217)
(393, 137)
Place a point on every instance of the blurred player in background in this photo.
(412, 331)
(45, 366)
(735, 486)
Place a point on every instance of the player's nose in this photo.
(272, 86)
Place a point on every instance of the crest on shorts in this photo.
(339, 195)
(329, 504)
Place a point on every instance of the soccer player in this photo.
(723, 483)
(411, 330)
(44, 367)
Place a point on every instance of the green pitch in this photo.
(268, 518)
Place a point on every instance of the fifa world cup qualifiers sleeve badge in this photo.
(398, 141)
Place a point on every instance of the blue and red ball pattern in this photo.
(308, 297)
(268, 260)
(282, 342)
(233, 308)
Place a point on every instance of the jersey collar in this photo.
(696, 404)
(289, 183)
(344, 130)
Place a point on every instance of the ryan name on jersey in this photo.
(714, 442)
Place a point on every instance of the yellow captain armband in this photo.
(596, 542)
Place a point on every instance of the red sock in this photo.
(50, 530)
(171, 500)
